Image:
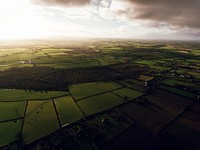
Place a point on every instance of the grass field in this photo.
(146, 62)
(135, 84)
(66, 62)
(131, 82)
(83, 90)
(99, 103)
(18, 57)
(11, 110)
(9, 131)
(180, 92)
(40, 120)
(130, 93)
(124, 59)
(67, 110)
(20, 95)
(195, 74)
(108, 60)
(12, 65)
(196, 52)
(173, 82)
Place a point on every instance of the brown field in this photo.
(160, 109)
(152, 119)
(171, 103)
(185, 131)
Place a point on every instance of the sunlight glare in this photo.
(18, 20)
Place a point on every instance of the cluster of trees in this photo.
(31, 78)
(48, 78)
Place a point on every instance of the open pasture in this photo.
(40, 120)
(99, 103)
(80, 91)
(67, 109)
(179, 92)
(134, 84)
(20, 95)
(10, 131)
(127, 93)
(11, 110)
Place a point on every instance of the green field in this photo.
(196, 52)
(67, 110)
(9, 131)
(127, 92)
(179, 92)
(130, 82)
(195, 74)
(173, 82)
(135, 84)
(99, 103)
(146, 62)
(100, 75)
(108, 60)
(40, 120)
(65, 62)
(11, 110)
(20, 95)
(83, 90)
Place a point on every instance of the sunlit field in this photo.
(94, 90)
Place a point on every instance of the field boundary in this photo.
(189, 98)
(9, 101)
(57, 114)
(14, 119)
(127, 86)
(175, 118)
(99, 94)
(77, 104)
(20, 137)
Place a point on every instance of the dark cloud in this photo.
(176, 12)
(62, 2)
(184, 13)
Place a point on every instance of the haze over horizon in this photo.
(133, 19)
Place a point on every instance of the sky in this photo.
(132, 19)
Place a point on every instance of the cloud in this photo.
(101, 3)
(184, 13)
(177, 18)
(62, 2)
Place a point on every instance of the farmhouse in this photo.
(26, 62)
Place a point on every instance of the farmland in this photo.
(12, 110)
(86, 89)
(36, 124)
(85, 94)
(67, 110)
(128, 93)
(10, 131)
(99, 103)
(20, 95)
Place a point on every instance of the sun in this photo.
(19, 21)
(10, 8)
(11, 12)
